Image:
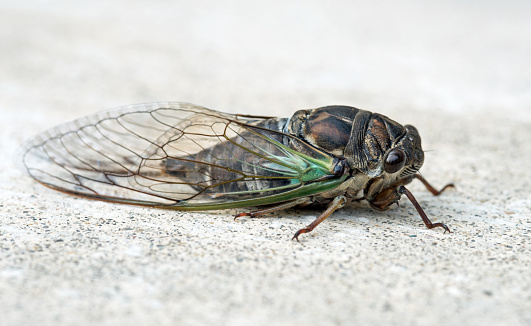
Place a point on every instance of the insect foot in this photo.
(425, 219)
(336, 204)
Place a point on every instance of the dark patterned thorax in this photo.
(327, 128)
(360, 136)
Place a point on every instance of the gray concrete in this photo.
(459, 71)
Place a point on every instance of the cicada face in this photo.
(397, 166)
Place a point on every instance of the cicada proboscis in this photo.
(186, 157)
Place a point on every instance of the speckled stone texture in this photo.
(459, 71)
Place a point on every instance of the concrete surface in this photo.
(459, 71)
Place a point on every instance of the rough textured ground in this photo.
(458, 71)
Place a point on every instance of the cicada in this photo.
(186, 157)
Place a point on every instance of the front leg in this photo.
(391, 195)
(429, 224)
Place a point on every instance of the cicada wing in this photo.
(174, 154)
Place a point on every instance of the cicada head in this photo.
(394, 153)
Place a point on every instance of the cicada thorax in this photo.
(328, 128)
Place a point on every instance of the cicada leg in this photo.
(430, 188)
(336, 204)
(258, 213)
(403, 191)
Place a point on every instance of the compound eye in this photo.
(395, 160)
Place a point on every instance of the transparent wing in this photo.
(179, 155)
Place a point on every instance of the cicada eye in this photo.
(395, 160)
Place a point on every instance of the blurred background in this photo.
(265, 57)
